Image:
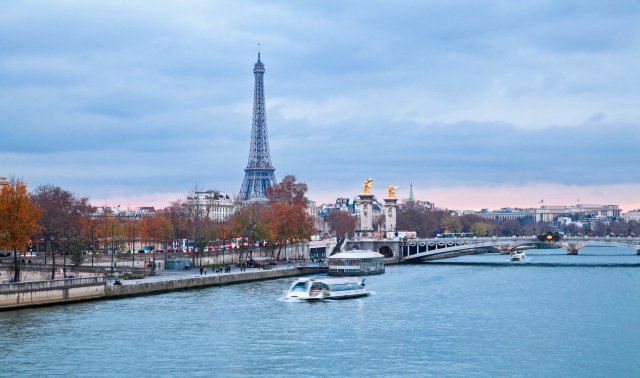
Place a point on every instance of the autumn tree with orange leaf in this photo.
(286, 217)
(18, 220)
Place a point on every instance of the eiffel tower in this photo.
(259, 173)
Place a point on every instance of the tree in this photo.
(162, 229)
(480, 229)
(286, 222)
(147, 229)
(62, 219)
(177, 213)
(247, 221)
(412, 216)
(451, 223)
(341, 223)
(77, 254)
(509, 227)
(288, 191)
(18, 220)
(469, 220)
(283, 218)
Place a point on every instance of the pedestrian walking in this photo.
(205, 271)
(201, 270)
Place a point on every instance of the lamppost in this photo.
(93, 240)
(132, 238)
(113, 226)
(64, 264)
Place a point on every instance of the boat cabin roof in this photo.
(357, 254)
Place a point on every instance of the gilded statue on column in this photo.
(367, 186)
(391, 191)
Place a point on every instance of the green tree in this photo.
(451, 223)
(480, 229)
(77, 254)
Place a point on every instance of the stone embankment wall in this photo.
(41, 272)
(38, 293)
(154, 287)
(28, 294)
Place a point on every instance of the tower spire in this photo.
(411, 192)
(259, 173)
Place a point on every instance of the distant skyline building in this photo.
(259, 173)
(212, 204)
(547, 214)
(579, 212)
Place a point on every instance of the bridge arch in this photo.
(386, 251)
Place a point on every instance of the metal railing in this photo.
(71, 268)
(17, 287)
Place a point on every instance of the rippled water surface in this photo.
(552, 315)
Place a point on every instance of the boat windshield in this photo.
(345, 286)
(298, 287)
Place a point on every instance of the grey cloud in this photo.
(137, 97)
(475, 153)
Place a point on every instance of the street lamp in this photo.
(112, 248)
(64, 264)
(132, 236)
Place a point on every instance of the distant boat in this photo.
(517, 255)
(311, 289)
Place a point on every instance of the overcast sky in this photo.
(478, 103)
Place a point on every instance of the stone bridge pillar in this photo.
(366, 218)
(390, 205)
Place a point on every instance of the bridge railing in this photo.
(420, 247)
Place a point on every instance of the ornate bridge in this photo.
(414, 250)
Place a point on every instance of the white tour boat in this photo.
(517, 255)
(326, 288)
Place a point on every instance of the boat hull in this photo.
(314, 289)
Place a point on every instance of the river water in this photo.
(551, 316)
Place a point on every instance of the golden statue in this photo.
(391, 191)
(367, 186)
